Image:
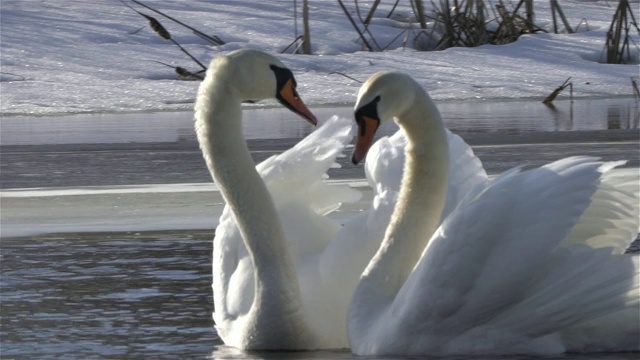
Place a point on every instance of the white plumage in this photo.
(326, 258)
(529, 262)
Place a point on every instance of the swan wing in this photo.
(613, 218)
(466, 173)
(297, 182)
(496, 260)
(384, 163)
(290, 174)
(618, 331)
(611, 221)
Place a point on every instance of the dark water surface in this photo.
(107, 296)
(121, 296)
(113, 296)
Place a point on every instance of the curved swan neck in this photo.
(421, 200)
(219, 131)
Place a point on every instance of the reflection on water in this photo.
(492, 116)
(526, 116)
(122, 296)
(517, 117)
(618, 116)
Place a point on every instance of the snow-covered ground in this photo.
(60, 56)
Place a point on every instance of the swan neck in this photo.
(421, 200)
(219, 130)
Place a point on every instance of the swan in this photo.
(275, 319)
(529, 262)
(322, 258)
(283, 271)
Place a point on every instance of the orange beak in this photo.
(289, 97)
(366, 130)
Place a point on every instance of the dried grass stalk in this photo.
(211, 38)
(617, 43)
(157, 27)
(355, 26)
(549, 99)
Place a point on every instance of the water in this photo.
(121, 296)
(148, 295)
(506, 117)
(107, 296)
(526, 116)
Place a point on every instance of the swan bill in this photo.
(367, 127)
(288, 96)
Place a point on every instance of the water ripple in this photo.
(107, 296)
(122, 296)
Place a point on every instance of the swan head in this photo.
(257, 75)
(383, 96)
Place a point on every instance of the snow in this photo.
(62, 57)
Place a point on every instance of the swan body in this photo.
(325, 259)
(328, 258)
(529, 262)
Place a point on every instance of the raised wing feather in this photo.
(499, 247)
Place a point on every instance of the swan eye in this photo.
(370, 111)
(283, 75)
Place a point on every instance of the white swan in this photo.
(272, 321)
(283, 272)
(527, 263)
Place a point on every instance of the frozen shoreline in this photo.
(31, 212)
